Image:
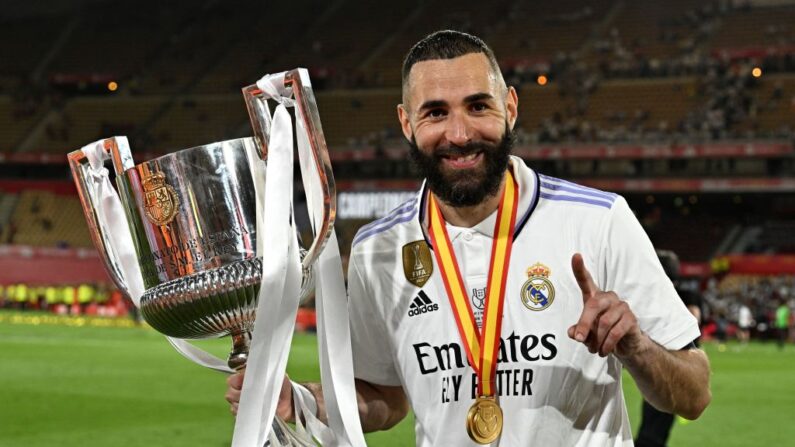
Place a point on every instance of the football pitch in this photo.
(82, 384)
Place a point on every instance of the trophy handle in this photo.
(116, 149)
(297, 80)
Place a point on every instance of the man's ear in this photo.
(405, 123)
(511, 106)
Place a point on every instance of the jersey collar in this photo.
(528, 183)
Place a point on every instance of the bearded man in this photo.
(501, 304)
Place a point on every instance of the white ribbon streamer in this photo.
(110, 214)
(279, 292)
(306, 408)
(273, 87)
(336, 364)
(334, 342)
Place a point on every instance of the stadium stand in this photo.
(359, 118)
(676, 234)
(17, 116)
(774, 237)
(747, 26)
(614, 111)
(36, 34)
(617, 74)
(44, 219)
(86, 119)
(532, 32)
(172, 60)
(196, 120)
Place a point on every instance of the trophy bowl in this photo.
(195, 212)
(193, 219)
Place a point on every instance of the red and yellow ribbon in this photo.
(482, 347)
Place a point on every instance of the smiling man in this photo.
(499, 303)
(466, 118)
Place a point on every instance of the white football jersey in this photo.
(553, 392)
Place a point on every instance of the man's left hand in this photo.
(607, 324)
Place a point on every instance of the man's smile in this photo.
(463, 161)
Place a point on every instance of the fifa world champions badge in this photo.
(538, 293)
(417, 263)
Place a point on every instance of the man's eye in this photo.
(436, 113)
(479, 107)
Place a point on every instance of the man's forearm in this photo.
(672, 381)
(380, 407)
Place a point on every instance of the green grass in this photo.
(92, 386)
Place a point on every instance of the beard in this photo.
(465, 187)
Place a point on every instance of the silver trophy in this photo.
(192, 216)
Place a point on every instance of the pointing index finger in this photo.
(583, 277)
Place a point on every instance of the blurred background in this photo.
(686, 108)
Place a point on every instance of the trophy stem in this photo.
(237, 361)
(239, 354)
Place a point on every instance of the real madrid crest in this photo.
(417, 263)
(160, 199)
(538, 291)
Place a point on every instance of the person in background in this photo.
(744, 322)
(655, 425)
(782, 323)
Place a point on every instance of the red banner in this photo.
(63, 187)
(695, 269)
(50, 266)
(718, 185)
(600, 151)
(397, 150)
(761, 264)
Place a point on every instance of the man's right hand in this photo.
(284, 408)
(380, 406)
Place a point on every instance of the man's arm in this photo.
(380, 406)
(672, 381)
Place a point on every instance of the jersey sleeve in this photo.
(632, 270)
(372, 352)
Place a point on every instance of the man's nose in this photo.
(458, 131)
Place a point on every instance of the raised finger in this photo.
(583, 277)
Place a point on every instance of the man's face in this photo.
(458, 118)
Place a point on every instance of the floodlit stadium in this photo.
(686, 109)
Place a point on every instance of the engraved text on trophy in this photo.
(187, 252)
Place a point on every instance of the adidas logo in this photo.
(422, 304)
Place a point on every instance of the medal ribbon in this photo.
(481, 346)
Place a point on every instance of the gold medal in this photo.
(484, 420)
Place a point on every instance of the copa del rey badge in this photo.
(417, 262)
(160, 199)
(538, 291)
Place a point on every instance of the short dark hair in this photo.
(446, 44)
(670, 263)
